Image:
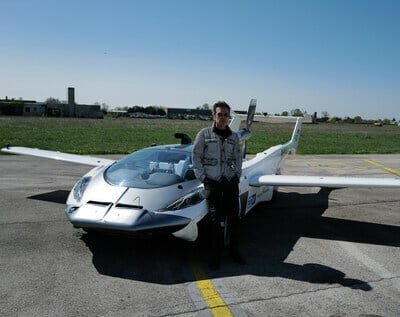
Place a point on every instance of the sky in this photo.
(341, 57)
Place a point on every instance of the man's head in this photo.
(221, 114)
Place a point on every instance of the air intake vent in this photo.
(129, 206)
(98, 203)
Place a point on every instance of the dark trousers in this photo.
(223, 204)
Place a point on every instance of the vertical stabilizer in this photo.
(245, 134)
(250, 113)
(294, 141)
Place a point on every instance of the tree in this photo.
(348, 120)
(136, 108)
(334, 119)
(358, 119)
(155, 110)
(296, 112)
(53, 101)
(104, 108)
(324, 114)
(203, 107)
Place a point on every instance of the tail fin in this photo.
(234, 125)
(294, 141)
(245, 134)
(250, 113)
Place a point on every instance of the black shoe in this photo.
(236, 257)
(214, 265)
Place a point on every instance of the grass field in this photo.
(124, 135)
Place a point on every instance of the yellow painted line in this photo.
(361, 167)
(213, 299)
(335, 165)
(390, 170)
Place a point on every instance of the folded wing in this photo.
(73, 158)
(322, 181)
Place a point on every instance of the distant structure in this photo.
(50, 109)
(12, 107)
(182, 113)
(71, 102)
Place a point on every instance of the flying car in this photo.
(155, 190)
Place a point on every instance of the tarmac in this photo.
(310, 252)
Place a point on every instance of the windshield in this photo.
(151, 168)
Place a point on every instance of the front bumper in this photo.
(106, 217)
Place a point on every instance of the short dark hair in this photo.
(221, 104)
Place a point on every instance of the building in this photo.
(12, 107)
(50, 109)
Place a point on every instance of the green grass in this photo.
(124, 135)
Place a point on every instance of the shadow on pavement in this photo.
(269, 235)
(57, 196)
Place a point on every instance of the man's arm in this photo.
(238, 159)
(197, 155)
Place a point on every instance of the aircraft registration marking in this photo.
(213, 299)
(377, 164)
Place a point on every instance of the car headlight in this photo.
(186, 201)
(80, 188)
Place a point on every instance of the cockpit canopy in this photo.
(151, 168)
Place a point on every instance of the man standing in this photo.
(217, 162)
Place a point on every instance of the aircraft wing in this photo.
(73, 158)
(322, 181)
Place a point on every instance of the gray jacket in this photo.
(213, 158)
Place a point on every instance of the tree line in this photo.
(158, 110)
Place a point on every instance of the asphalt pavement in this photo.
(311, 252)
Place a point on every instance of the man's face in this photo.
(221, 117)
